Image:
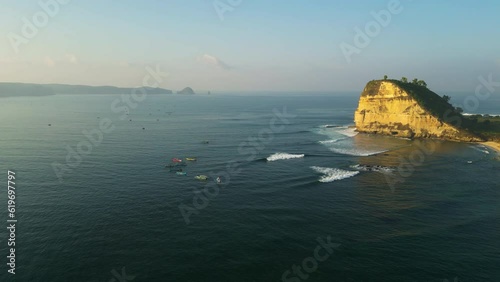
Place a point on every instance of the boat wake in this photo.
(283, 156)
(333, 174)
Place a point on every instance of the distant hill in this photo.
(29, 89)
(22, 89)
(186, 91)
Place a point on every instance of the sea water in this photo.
(294, 174)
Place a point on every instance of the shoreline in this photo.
(492, 145)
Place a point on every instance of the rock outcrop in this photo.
(186, 91)
(400, 109)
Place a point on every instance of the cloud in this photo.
(71, 58)
(123, 64)
(67, 59)
(214, 61)
(49, 62)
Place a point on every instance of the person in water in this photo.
(218, 180)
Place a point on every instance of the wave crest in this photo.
(330, 141)
(377, 168)
(332, 174)
(356, 152)
(283, 156)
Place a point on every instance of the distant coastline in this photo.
(12, 89)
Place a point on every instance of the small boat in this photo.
(469, 162)
(201, 177)
(176, 160)
(181, 173)
(218, 180)
(191, 159)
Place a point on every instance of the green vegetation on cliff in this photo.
(485, 127)
(430, 101)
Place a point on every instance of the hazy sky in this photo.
(251, 44)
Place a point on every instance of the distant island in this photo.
(186, 91)
(8, 89)
(409, 109)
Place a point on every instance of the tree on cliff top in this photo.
(422, 83)
(385, 77)
(404, 79)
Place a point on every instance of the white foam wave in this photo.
(332, 174)
(491, 115)
(377, 168)
(330, 126)
(356, 152)
(331, 141)
(350, 132)
(481, 149)
(283, 156)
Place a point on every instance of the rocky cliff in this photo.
(400, 109)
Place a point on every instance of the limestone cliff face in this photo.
(386, 108)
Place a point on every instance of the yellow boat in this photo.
(191, 159)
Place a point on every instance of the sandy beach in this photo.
(493, 145)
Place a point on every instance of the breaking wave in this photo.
(350, 132)
(333, 174)
(330, 126)
(377, 168)
(331, 141)
(356, 152)
(283, 156)
(481, 149)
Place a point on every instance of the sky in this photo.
(258, 45)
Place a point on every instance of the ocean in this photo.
(303, 196)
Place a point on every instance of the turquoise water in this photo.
(400, 210)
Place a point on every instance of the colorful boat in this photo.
(176, 160)
(191, 159)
